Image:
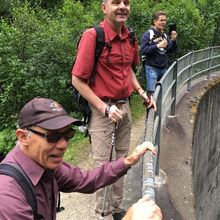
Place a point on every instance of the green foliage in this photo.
(75, 17)
(138, 109)
(76, 146)
(140, 17)
(95, 6)
(210, 11)
(7, 140)
(5, 7)
(38, 40)
(36, 57)
(46, 4)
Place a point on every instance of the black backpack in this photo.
(14, 171)
(18, 174)
(82, 103)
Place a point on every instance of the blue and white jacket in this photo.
(156, 57)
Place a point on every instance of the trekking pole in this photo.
(118, 104)
(110, 159)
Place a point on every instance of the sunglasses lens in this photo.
(55, 137)
(69, 134)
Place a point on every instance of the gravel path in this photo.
(81, 206)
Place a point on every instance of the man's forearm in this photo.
(136, 85)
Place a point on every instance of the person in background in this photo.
(109, 94)
(155, 46)
(43, 135)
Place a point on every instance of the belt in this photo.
(110, 101)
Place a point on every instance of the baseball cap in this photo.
(45, 113)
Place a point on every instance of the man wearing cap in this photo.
(43, 135)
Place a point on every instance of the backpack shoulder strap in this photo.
(100, 43)
(151, 34)
(22, 179)
(133, 39)
(165, 36)
(132, 36)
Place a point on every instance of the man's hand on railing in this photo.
(139, 151)
(149, 100)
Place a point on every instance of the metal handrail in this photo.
(178, 79)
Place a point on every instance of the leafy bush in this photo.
(37, 52)
(7, 140)
(140, 18)
(38, 40)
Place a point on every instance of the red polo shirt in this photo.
(113, 78)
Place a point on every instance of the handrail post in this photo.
(210, 62)
(174, 89)
(189, 83)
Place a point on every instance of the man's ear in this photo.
(22, 136)
(104, 8)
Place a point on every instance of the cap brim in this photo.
(59, 122)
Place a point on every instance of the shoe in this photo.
(120, 215)
(106, 217)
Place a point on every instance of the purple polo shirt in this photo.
(47, 183)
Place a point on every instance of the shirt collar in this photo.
(33, 170)
(156, 31)
(111, 33)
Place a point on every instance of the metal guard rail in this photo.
(178, 79)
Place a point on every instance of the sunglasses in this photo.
(56, 136)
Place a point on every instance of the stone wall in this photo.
(206, 156)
